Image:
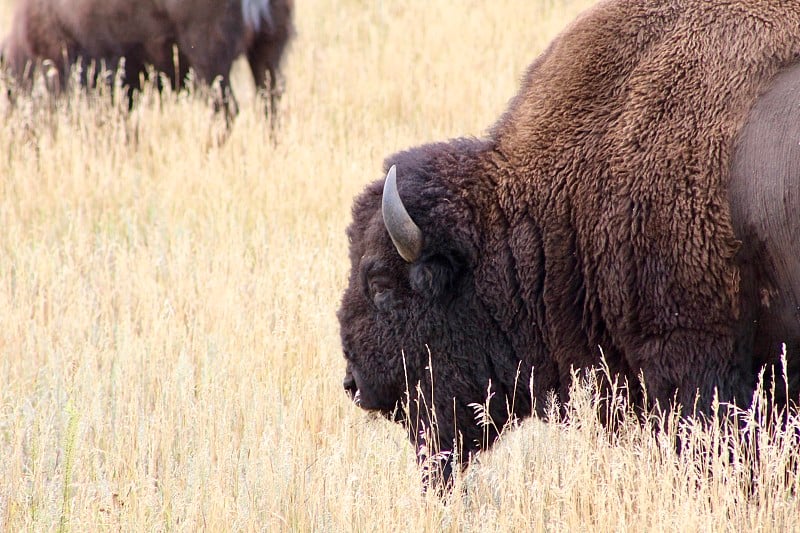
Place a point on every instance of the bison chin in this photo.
(437, 449)
(365, 397)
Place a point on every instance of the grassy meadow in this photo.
(169, 351)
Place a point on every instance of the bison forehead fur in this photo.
(612, 207)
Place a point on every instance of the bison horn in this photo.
(405, 234)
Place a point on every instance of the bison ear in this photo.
(434, 276)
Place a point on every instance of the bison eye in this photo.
(382, 299)
(381, 293)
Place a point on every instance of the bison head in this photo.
(419, 339)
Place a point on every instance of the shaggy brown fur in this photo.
(208, 34)
(622, 135)
(594, 216)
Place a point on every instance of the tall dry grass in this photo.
(169, 354)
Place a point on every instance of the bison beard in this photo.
(595, 215)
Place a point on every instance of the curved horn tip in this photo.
(405, 234)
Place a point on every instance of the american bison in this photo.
(206, 35)
(638, 200)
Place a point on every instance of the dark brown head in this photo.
(420, 343)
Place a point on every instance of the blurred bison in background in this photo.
(638, 199)
(172, 36)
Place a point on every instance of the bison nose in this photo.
(350, 386)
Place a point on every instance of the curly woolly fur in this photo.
(595, 215)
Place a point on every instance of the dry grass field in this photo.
(169, 351)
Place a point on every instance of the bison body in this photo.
(635, 207)
(208, 36)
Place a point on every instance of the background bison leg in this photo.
(264, 57)
(266, 48)
(210, 50)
